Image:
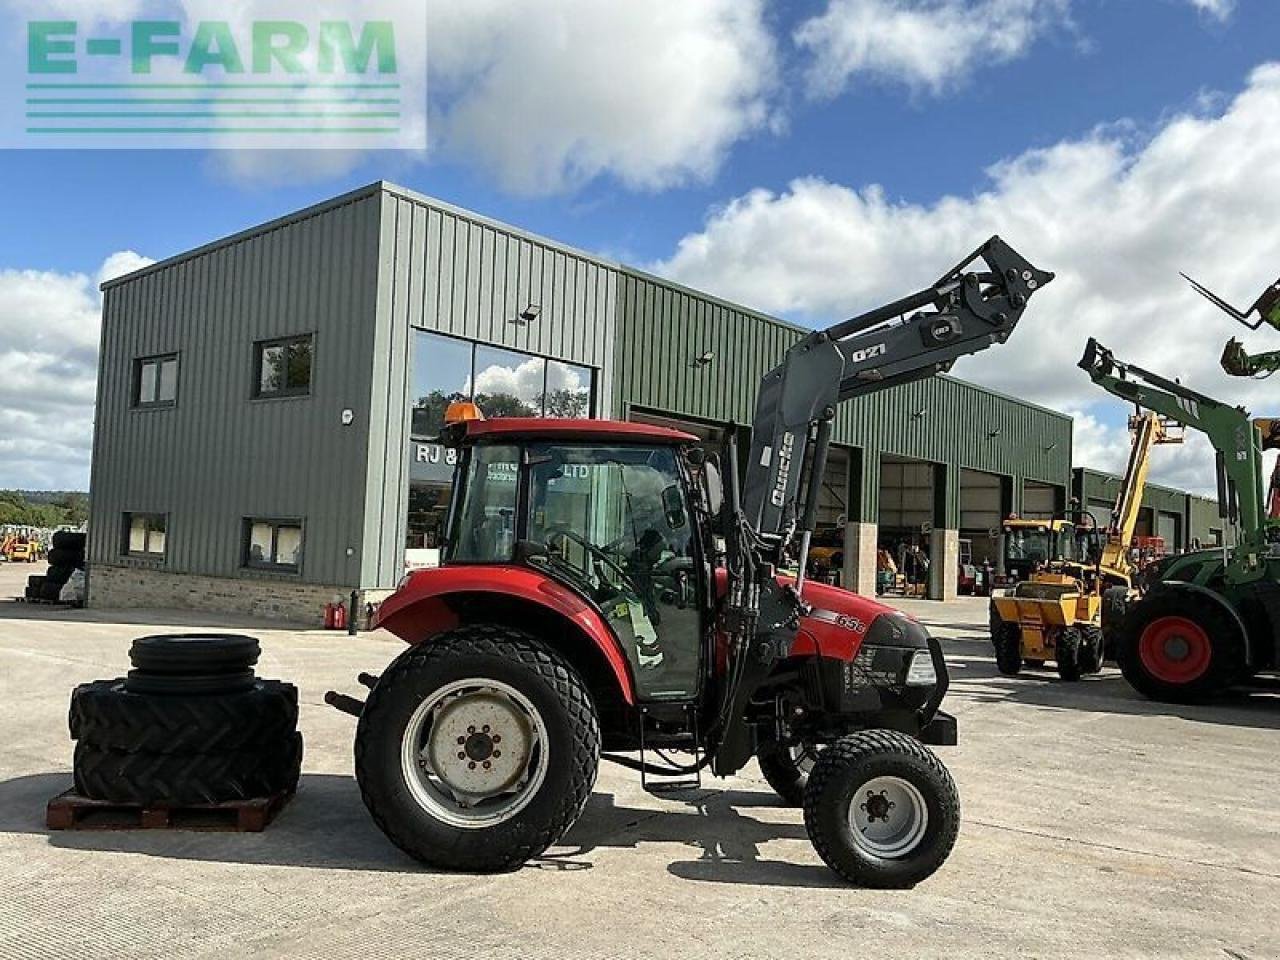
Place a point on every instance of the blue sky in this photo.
(1087, 84)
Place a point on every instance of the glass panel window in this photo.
(508, 384)
(168, 388)
(568, 391)
(273, 544)
(284, 367)
(144, 535)
(485, 527)
(155, 381)
(441, 374)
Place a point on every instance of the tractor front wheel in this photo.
(478, 749)
(881, 810)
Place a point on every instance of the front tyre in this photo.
(1066, 654)
(478, 749)
(881, 809)
(1007, 640)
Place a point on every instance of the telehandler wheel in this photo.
(477, 749)
(1090, 653)
(786, 767)
(1066, 653)
(1007, 639)
(881, 810)
(1178, 647)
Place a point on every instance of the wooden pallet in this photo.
(70, 811)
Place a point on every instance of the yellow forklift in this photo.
(1073, 579)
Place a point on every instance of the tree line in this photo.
(37, 509)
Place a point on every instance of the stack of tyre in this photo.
(65, 557)
(190, 724)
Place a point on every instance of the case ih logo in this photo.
(283, 74)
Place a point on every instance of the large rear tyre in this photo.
(478, 749)
(881, 810)
(1178, 647)
(786, 767)
(187, 778)
(1066, 654)
(1007, 639)
(106, 714)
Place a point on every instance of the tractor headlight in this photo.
(921, 672)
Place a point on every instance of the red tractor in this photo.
(609, 592)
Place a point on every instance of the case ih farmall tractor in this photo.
(603, 594)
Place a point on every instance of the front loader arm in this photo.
(915, 337)
(912, 338)
(1234, 437)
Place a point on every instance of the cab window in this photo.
(484, 528)
(614, 522)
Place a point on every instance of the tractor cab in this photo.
(615, 513)
(1032, 545)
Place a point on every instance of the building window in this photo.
(155, 381)
(273, 544)
(503, 383)
(282, 368)
(144, 535)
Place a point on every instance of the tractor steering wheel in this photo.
(591, 548)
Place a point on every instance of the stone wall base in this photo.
(139, 587)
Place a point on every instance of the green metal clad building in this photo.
(267, 403)
(1182, 520)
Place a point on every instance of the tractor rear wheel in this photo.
(1007, 638)
(1066, 653)
(786, 767)
(477, 749)
(1178, 647)
(881, 810)
(1090, 653)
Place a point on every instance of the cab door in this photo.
(615, 524)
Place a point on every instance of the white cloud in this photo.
(1219, 10)
(547, 96)
(925, 44)
(1116, 218)
(49, 325)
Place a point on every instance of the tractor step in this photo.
(71, 811)
(679, 781)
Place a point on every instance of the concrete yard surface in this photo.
(1096, 824)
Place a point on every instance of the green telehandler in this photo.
(1207, 619)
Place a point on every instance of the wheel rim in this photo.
(474, 753)
(1175, 649)
(888, 816)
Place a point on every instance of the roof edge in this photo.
(324, 206)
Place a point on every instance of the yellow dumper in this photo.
(1052, 617)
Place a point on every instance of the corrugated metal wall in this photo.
(448, 271)
(665, 329)
(218, 455)
(1096, 485)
